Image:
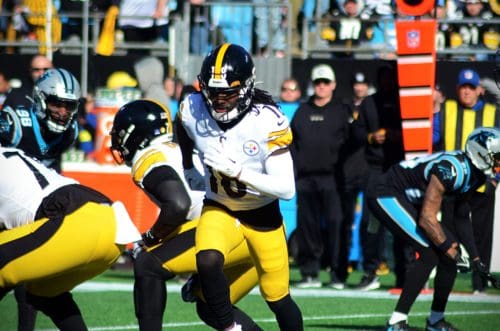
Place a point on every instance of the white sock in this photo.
(397, 317)
(436, 316)
(234, 327)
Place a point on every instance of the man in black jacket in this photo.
(319, 127)
(379, 128)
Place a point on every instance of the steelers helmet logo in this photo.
(251, 148)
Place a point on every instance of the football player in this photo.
(243, 139)
(54, 235)
(49, 126)
(141, 137)
(407, 199)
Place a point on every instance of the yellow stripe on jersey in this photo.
(145, 162)
(489, 115)
(279, 139)
(468, 124)
(450, 125)
(218, 61)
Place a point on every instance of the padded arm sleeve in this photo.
(278, 181)
(165, 187)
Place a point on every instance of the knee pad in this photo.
(209, 260)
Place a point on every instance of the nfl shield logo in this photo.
(413, 38)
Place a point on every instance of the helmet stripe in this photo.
(65, 80)
(218, 61)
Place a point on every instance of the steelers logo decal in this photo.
(251, 148)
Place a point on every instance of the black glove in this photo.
(150, 239)
(482, 270)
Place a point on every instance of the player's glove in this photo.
(10, 127)
(194, 179)
(150, 239)
(463, 263)
(137, 248)
(216, 158)
(482, 270)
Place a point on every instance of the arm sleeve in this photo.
(165, 187)
(278, 181)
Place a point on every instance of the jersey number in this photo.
(231, 186)
(39, 177)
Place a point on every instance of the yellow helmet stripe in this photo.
(218, 61)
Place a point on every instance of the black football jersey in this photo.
(48, 147)
(453, 169)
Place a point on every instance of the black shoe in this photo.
(399, 326)
(440, 325)
(368, 282)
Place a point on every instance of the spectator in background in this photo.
(150, 75)
(290, 96)
(348, 29)
(4, 88)
(86, 131)
(438, 100)
(476, 34)
(120, 79)
(351, 170)
(269, 28)
(319, 127)
(233, 24)
(152, 17)
(379, 129)
(458, 117)
(173, 87)
(23, 95)
(199, 18)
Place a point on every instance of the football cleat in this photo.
(440, 325)
(399, 326)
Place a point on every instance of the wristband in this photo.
(445, 245)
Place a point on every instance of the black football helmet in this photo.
(227, 81)
(135, 125)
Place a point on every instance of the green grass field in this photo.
(107, 305)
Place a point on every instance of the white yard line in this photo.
(93, 286)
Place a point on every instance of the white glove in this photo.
(216, 158)
(194, 179)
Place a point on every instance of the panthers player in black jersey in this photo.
(50, 126)
(141, 137)
(407, 199)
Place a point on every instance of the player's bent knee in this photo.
(147, 265)
(209, 260)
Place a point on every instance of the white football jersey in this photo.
(263, 130)
(24, 183)
(162, 154)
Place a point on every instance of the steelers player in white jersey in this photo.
(141, 137)
(243, 139)
(54, 235)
